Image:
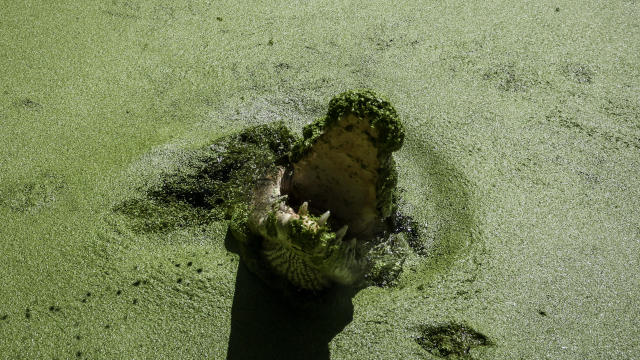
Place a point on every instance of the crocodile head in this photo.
(317, 215)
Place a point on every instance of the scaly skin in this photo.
(299, 246)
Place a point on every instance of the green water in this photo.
(522, 162)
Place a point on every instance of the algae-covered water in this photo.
(521, 166)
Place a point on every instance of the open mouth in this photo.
(337, 178)
(317, 214)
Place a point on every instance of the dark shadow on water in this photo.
(266, 325)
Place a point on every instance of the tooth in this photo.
(286, 218)
(304, 209)
(342, 232)
(323, 219)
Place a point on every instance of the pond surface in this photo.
(521, 165)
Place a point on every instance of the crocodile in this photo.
(341, 178)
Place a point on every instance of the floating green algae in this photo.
(451, 340)
(212, 183)
(550, 168)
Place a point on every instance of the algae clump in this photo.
(213, 183)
